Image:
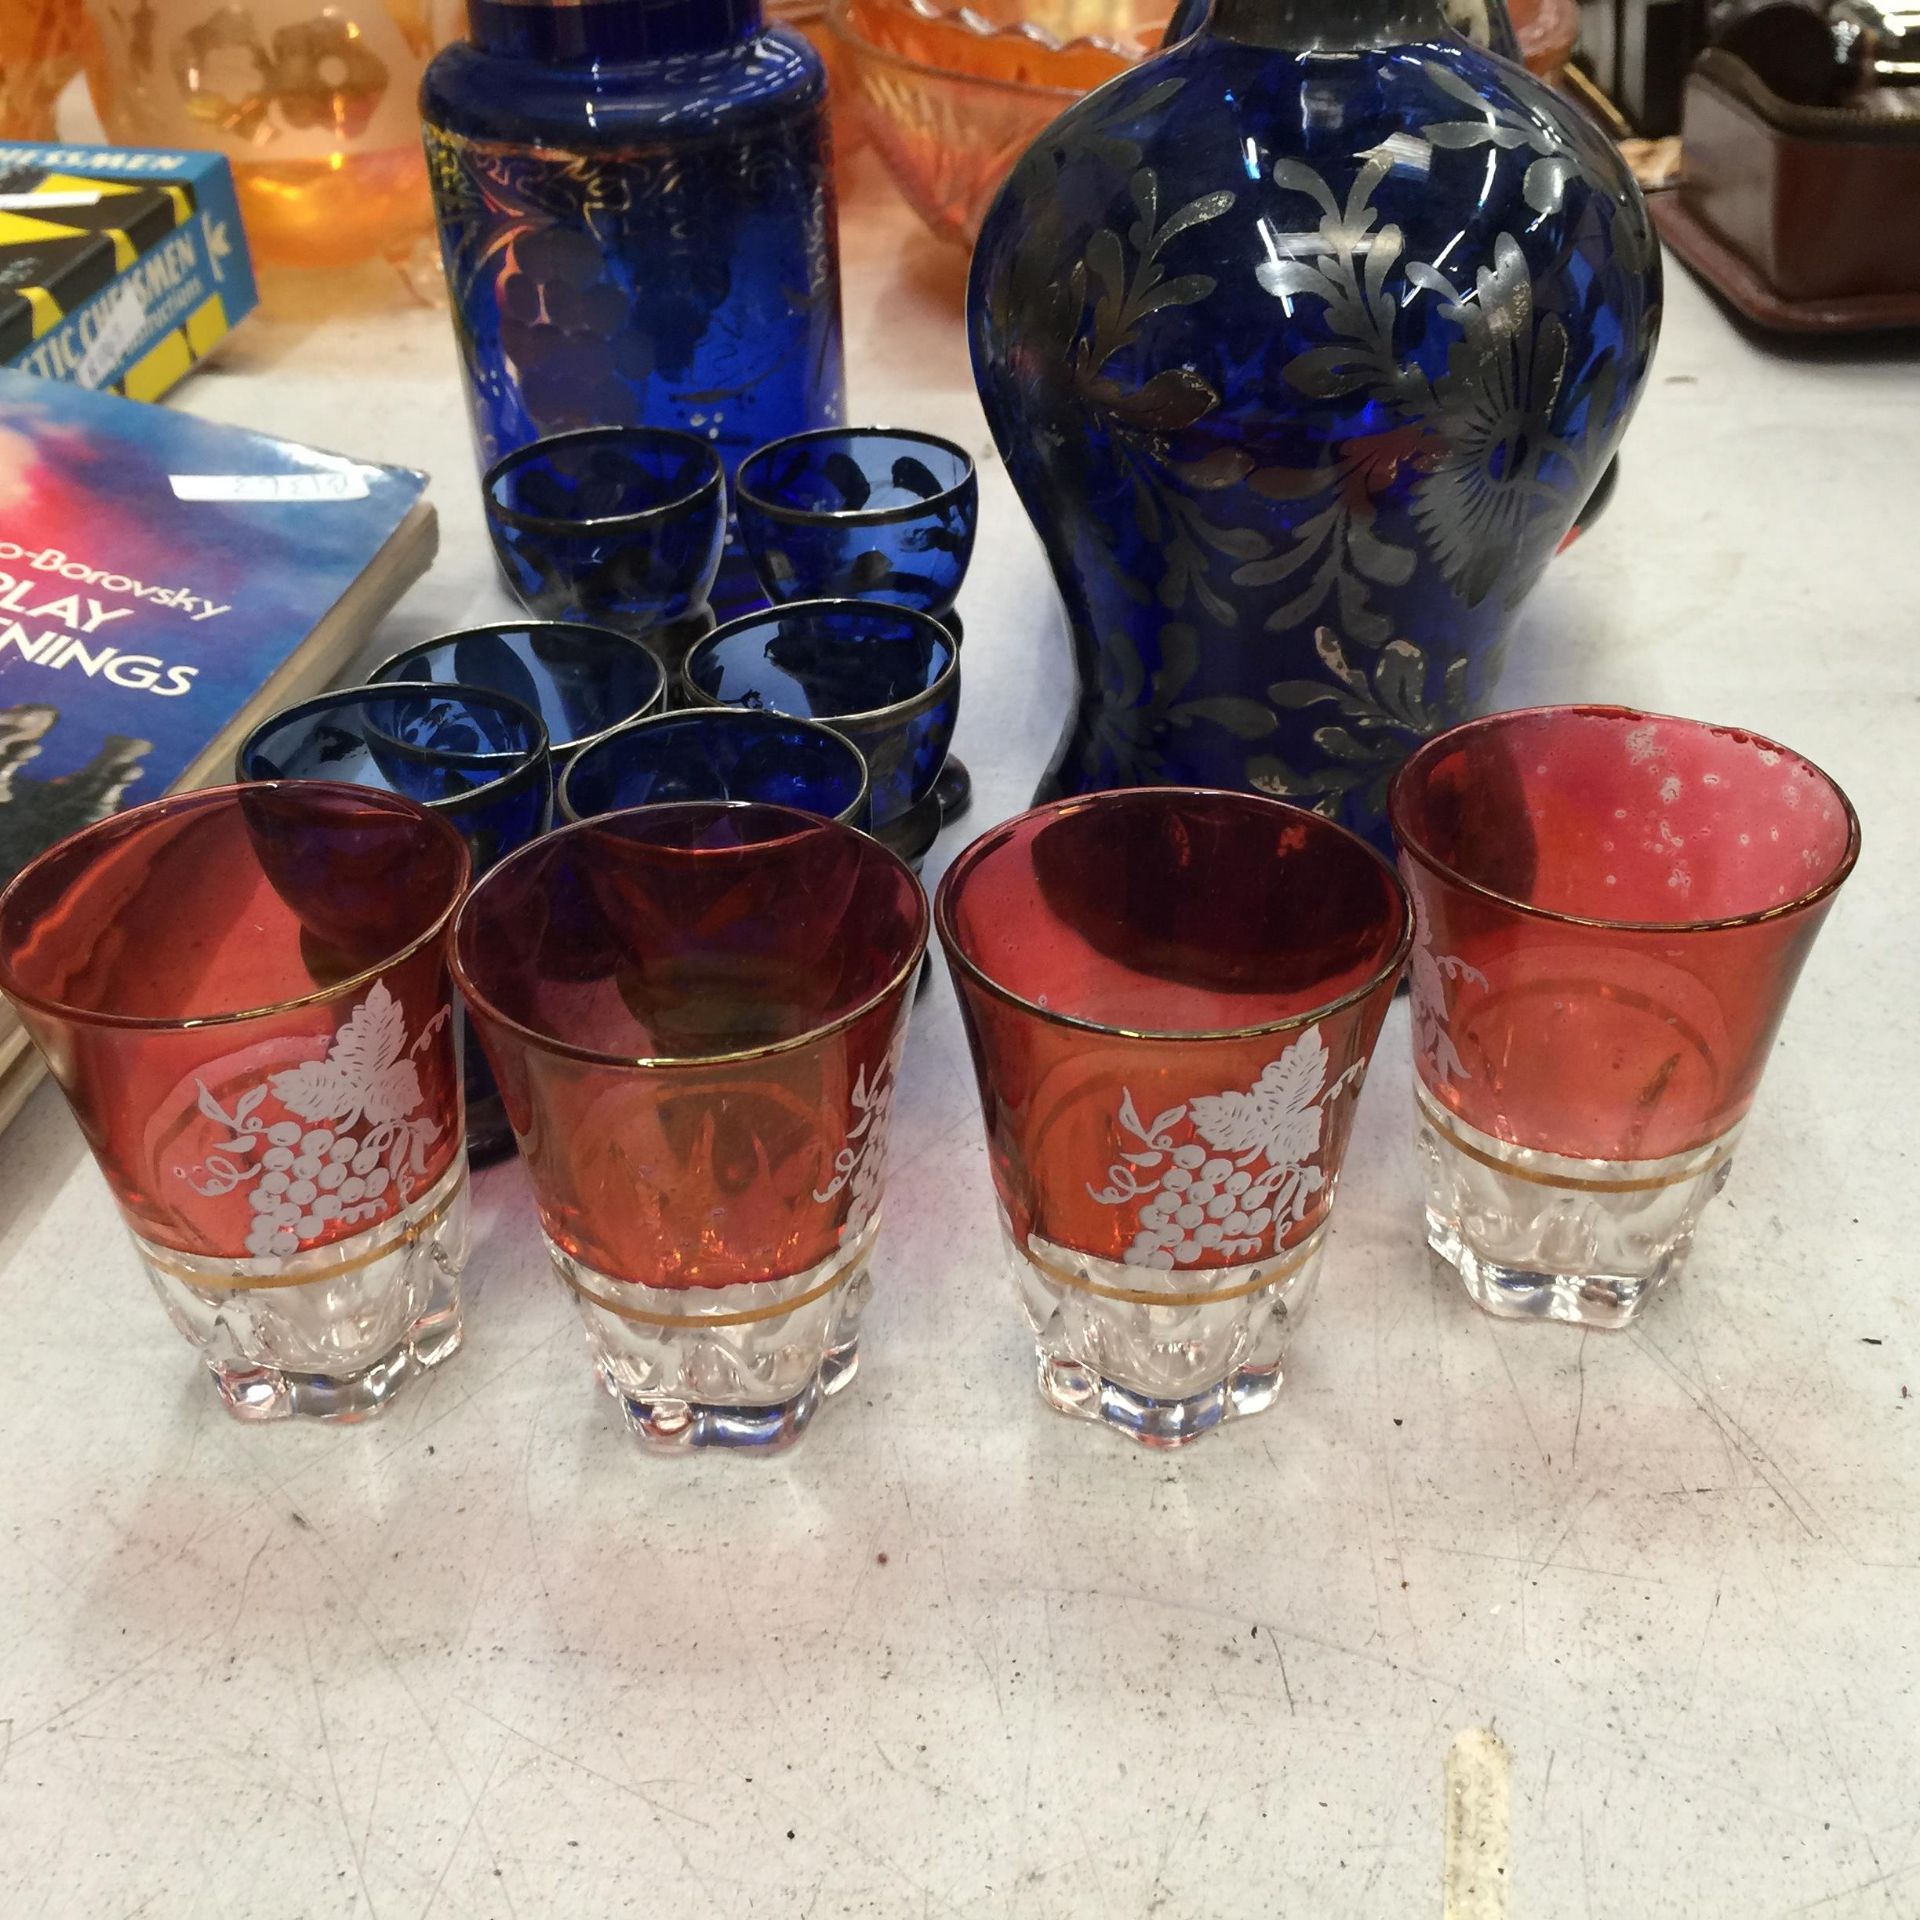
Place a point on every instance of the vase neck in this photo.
(1302, 26)
(611, 29)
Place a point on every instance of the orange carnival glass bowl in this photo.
(39, 54)
(810, 17)
(314, 102)
(952, 96)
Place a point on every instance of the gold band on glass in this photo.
(744, 1316)
(263, 1282)
(1573, 1182)
(1139, 1297)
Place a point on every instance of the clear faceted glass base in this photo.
(1540, 1236)
(1162, 1357)
(333, 1334)
(746, 1366)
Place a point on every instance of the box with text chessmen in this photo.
(120, 267)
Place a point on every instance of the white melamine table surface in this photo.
(957, 1655)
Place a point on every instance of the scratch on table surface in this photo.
(1586, 1869)
(1756, 1456)
(637, 1791)
(1538, 1562)
(1580, 1405)
(1706, 1629)
(1786, 1641)
(1829, 1900)
(246, 1578)
(333, 1771)
(1453, 1696)
(1398, 1560)
(1493, 1332)
(321, 1546)
(107, 1685)
(373, 1797)
(472, 1391)
(459, 1839)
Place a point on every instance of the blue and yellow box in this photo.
(120, 267)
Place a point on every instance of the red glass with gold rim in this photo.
(243, 992)
(696, 1012)
(1172, 996)
(1613, 908)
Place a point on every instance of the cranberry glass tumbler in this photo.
(1613, 908)
(1172, 997)
(244, 994)
(696, 1013)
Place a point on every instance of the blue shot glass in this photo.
(886, 677)
(619, 526)
(719, 753)
(865, 513)
(475, 756)
(582, 681)
(860, 513)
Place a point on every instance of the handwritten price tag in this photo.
(344, 483)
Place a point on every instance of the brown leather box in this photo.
(1804, 217)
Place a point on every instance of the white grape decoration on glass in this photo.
(1235, 1201)
(350, 1146)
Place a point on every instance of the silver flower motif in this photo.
(1479, 503)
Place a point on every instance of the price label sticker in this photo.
(279, 489)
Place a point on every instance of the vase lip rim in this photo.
(976, 850)
(1411, 848)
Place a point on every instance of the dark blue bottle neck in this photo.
(610, 29)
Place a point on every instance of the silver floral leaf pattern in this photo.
(1496, 407)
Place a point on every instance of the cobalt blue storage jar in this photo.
(636, 211)
(1305, 341)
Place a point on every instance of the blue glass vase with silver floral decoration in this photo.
(1305, 341)
(636, 211)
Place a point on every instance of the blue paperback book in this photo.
(165, 582)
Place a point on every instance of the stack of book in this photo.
(165, 582)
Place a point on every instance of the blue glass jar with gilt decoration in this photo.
(1305, 342)
(636, 213)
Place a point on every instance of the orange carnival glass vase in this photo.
(313, 101)
(39, 54)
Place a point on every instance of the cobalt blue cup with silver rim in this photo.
(621, 526)
(719, 753)
(582, 680)
(863, 513)
(886, 677)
